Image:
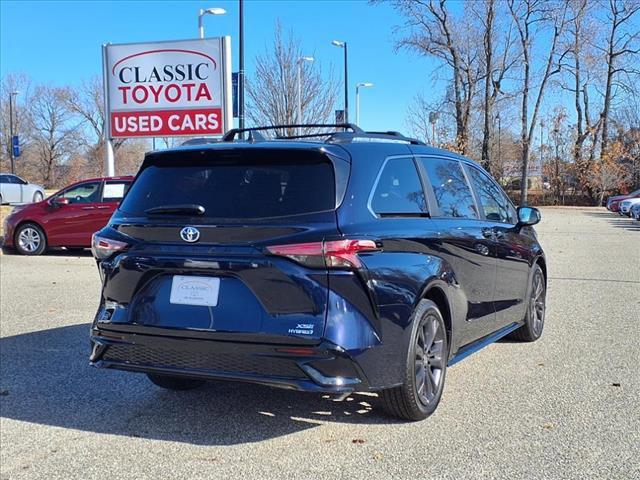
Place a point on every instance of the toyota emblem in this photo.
(190, 234)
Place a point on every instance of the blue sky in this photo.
(60, 42)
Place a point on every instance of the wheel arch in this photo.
(436, 294)
(28, 220)
(543, 265)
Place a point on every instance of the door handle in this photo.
(104, 207)
(88, 208)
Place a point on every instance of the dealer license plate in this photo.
(191, 290)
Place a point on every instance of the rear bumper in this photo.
(322, 368)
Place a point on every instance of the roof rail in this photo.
(230, 136)
(394, 137)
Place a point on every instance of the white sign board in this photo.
(168, 89)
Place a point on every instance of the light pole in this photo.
(13, 163)
(341, 44)
(358, 86)
(241, 65)
(210, 11)
(300, 60)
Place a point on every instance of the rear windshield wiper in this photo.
(180, 209)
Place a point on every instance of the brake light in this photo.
(331, 254)
(102, 247)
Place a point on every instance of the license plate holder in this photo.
(194, 290)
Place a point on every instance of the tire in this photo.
(536, 308)
(419, 395)
(174, 383)
(30, 239)
(37, 197)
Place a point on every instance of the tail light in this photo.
(103, 247)
(331, 254)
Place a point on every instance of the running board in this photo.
(472, 348)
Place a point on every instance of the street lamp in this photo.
(341, 44)
(210, 11)
(358, 86)
(11, 95)
(300, 60)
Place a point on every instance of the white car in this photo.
(14, 189)
(626, 205)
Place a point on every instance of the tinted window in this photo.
(494, 203)
(236, 190)
(398, 190)
(450, 188)
(114, 190)
(4, 178)
(84, 193)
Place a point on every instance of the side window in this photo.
(450, 188)
(398, 190)
(19, 180)
(84, 193)
(4, 179)
(114, 190)
(496, 206)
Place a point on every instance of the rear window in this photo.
(238, 190)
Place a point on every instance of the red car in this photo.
(613, 203)
(66, 219)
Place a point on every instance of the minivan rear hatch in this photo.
(200, 220)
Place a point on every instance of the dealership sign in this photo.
(167, 89)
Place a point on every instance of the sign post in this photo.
(167, 89)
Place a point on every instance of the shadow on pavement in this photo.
(55, 252)
(616, 220)
(45, 378)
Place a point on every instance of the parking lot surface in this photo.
(567, 406)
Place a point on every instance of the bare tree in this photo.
(621, 48)
(87, 103)
(55, 131)
(273, 90)
(526, 14)
(579, 67)
(430, 30)
(497, 61)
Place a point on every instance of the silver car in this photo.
(14, 189)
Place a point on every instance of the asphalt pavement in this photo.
(567, 406)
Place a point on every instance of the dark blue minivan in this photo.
(347, 261)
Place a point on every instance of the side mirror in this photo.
(60, 201)
(528, 216)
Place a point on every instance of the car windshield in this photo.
(238, 190)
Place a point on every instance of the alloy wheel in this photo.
(538, 303)
(429, 359)
(29, 239)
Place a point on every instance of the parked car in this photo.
(635, 211)
(14, 189)
(613, 203)
(66, 219)
(625, 205)
(365, 261)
